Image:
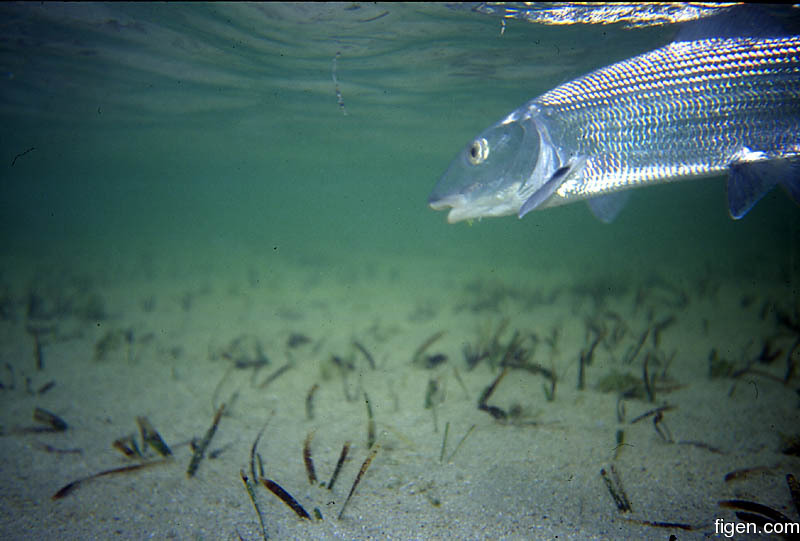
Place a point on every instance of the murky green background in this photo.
(173, 130)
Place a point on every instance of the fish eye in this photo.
(478, 151)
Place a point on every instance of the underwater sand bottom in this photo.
(162, 340)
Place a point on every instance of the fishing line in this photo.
(339, 98)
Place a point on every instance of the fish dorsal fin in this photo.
(749, 20)
(607, 207)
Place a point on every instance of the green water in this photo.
(226, 129)
(183, 175)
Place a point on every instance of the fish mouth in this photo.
(443, 203)
(463, 207)
(459, 210)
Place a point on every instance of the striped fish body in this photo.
(689, 109)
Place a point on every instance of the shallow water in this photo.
(187, 173)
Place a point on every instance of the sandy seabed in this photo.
(173, 341)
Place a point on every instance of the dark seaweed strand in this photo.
(660, 524)
(56, 423)
(151, 437)
(794, 489)
(658, 328)
(638, 347)
(494, 411)
(127, 446)
(767, 355)
(599, 337)
(275, 375)
(620, 443)
(648, 387)
(21, 154)
(487, 393)
(46, 387)
(310, 402)
(200, 450)
(460, 442)
(58, 450)
(361, 472)
(366, 354)
(425, 345)
(550, 393)
(621, 409)
(737, 475)
(260, 465)
(69, 487)
(285, 497)
(339, 464)
(216, 453)
(614, 486)
(37, 351)
(511, 349)
(461, 382)
(254, 448)
(444, 441)
(370, 423)
(431, 390)
(308, 460)
(661, 427)
(703, 445)
(218, 388)
(433, 387)
(654, 411)
(248, 486)
(754, 507)
(753, 518)
(790, 364)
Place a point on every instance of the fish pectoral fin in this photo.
(542, 194)
(749, 181)
(547, 189)
(606, 207)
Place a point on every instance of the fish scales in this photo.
(682, 110)
(691, 109)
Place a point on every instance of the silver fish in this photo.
(691, 109)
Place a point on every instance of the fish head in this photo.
(486, 176)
